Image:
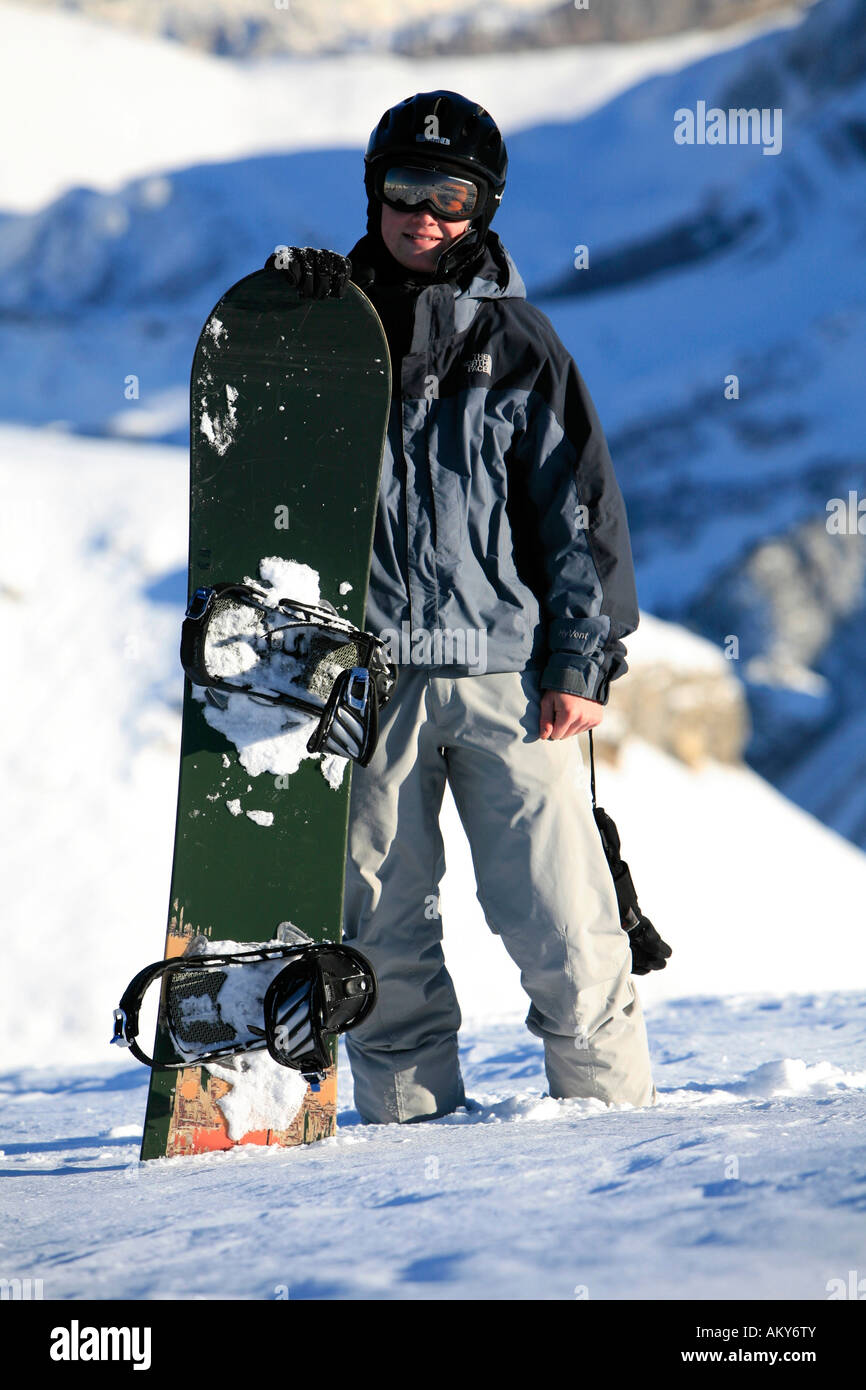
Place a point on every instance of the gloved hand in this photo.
(648, 951)
(314, 273)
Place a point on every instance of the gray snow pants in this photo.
(542, 880)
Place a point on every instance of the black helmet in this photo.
(445, 131)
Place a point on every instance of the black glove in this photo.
(314, 273)
(648, 951)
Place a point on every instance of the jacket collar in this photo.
(490, 274)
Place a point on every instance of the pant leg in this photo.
(404, 1056)
(546, 889)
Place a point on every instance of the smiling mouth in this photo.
(421, 237)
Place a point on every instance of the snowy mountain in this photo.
(418, 28)
(705, 262)
(730, 263)
(114, 107)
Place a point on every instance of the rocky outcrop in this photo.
(417, 28)
(681, 694)
(596, 21)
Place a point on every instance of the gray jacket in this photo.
(501, 538)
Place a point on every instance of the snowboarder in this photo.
(502, 578)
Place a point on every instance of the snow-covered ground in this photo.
(745, 1182)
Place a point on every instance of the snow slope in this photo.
(113, 106)
(91, 752)
(705, 261)
(712, 262)
(745, 1183)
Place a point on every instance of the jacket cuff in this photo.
(577, 663)
(586, 678)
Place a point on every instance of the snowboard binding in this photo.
(292, 999)
(299, 654)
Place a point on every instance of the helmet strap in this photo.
(462, 250)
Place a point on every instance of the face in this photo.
(417, 239)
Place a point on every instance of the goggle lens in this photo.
(447, 195)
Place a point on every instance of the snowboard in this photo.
(289, 401)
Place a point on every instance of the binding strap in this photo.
(126, 1015)
(323, 990)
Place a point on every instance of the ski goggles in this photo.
(445, 195)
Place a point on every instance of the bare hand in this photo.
(563, 715)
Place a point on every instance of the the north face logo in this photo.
(482, 362)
